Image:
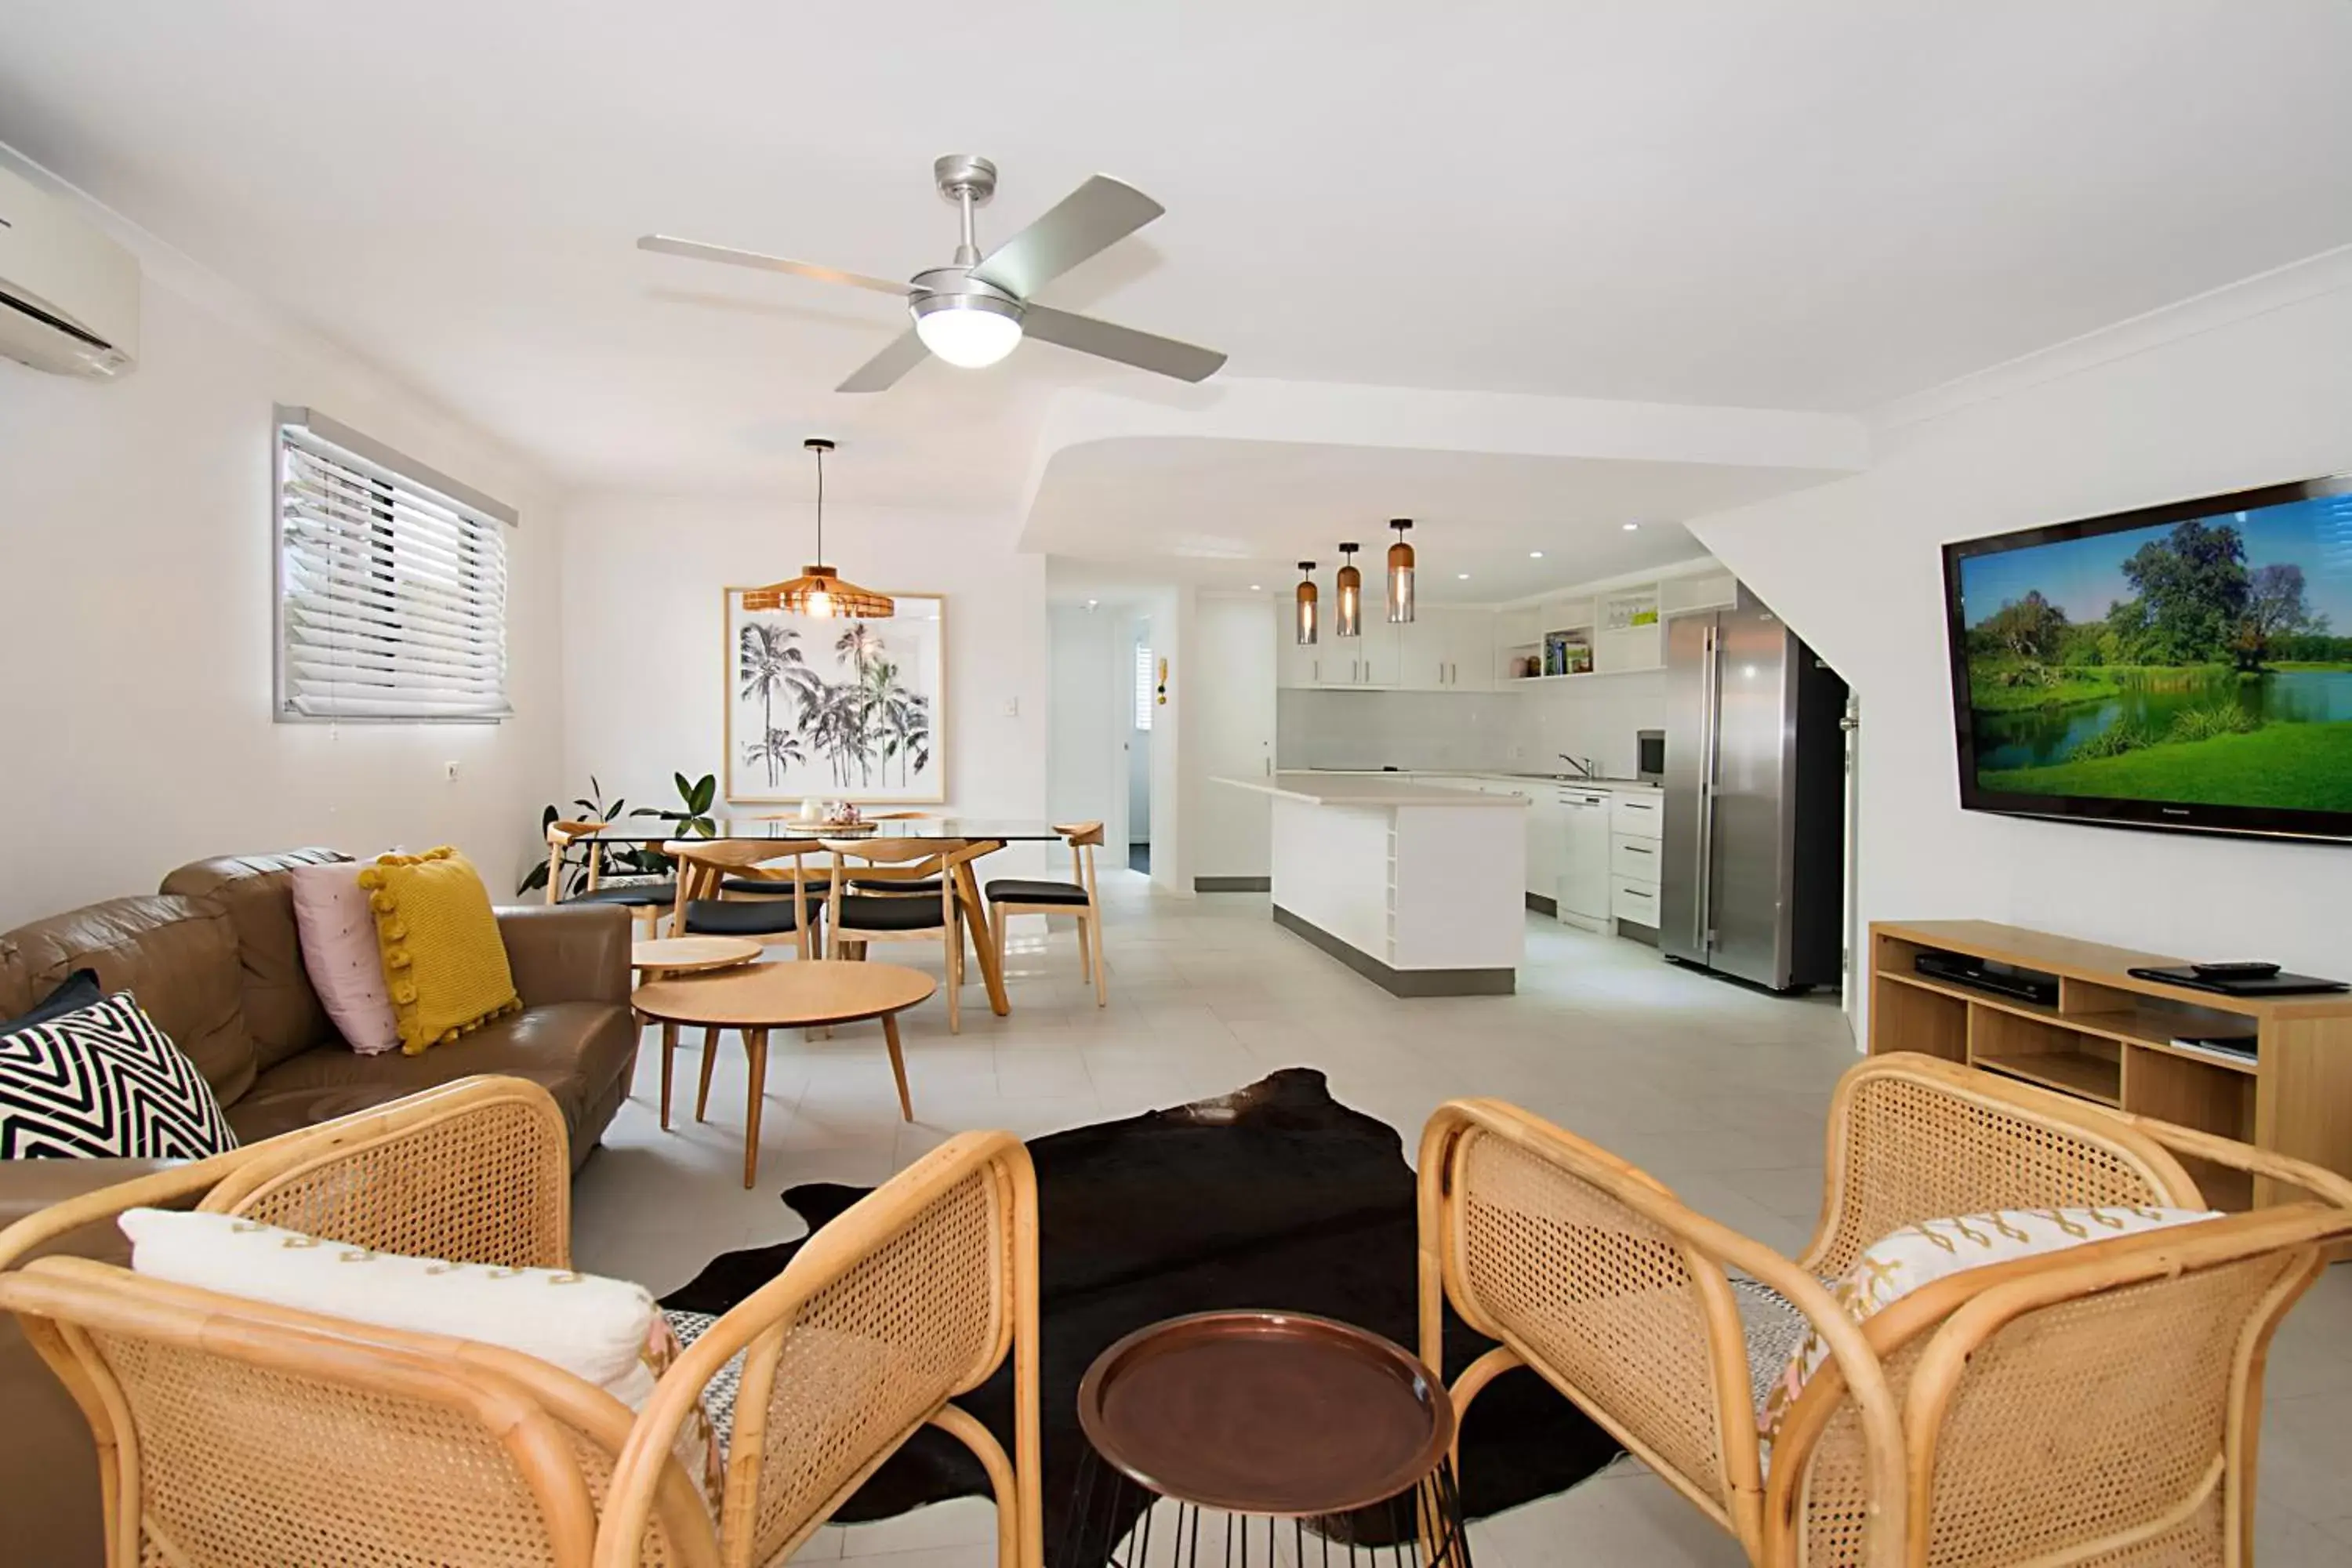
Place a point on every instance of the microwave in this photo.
(1650, 749)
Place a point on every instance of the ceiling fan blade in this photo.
(878, 373)
(696, 250)
(1094, 217)
(1165, 356)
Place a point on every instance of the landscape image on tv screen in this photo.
(2201, 661)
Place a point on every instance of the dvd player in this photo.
(1985, 974)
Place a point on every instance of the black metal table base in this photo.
(1120, 1523)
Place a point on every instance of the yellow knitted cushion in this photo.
(443, 959)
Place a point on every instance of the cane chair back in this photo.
(233, 1432)
(2095, 1405)
(414, 1176)
(416, 1181)
(915, 1295)
(851, 915)
(1913, 1138)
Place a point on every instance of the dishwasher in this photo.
(1583, 895)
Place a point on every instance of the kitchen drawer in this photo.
(1632, 859)
(1635, 902)
(1642, 813)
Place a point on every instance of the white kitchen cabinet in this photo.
(1582, 883)
(1547, 846)
(1295, 667)
(1447, 649)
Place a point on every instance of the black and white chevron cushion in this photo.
(103, 1081)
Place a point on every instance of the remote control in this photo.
(2235, 971)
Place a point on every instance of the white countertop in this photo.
(1528, 779)
(1368, 790)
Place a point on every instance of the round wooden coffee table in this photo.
(690, 955)
(758, 997)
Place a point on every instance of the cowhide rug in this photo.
(1275, 1196)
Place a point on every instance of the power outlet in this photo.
(1012, 708)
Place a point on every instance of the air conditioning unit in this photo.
(69, 295)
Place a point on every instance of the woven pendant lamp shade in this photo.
(819, 590)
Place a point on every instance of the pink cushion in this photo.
(338, 949)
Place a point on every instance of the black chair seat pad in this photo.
(1018, 890)
(630, 895)
(742, 917)
(861, 911)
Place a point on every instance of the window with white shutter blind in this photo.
(392, 583)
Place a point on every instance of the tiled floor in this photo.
(1717, 1090)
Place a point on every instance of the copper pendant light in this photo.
(1400, 574)
(1305, 599)
(820, 590)
(1350, 584)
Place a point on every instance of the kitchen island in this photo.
(1417, 887)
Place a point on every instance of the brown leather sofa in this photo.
(214, 959)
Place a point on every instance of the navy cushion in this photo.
(864, 912)
(1016, 890)
(742, 917)
(630, 895)
(77, 991)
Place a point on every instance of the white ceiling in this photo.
(1230, 514)
(1806, 204)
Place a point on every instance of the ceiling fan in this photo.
(976, 309)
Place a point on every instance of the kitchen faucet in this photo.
(1583, 765)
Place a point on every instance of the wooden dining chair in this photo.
(854, 918)
(1077, 897)
(646, 902)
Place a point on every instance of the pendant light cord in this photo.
(820, 506)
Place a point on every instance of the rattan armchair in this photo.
(234, 1431)
(913, 1296)
(2098, 1404)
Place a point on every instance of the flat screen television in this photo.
(2187, 665)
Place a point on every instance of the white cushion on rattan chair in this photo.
(592, 1327)
(1917, 1256)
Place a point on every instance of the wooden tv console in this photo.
(2109, 1039)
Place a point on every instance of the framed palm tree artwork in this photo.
(838, 708)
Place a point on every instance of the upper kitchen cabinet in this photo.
(1630, 635)
(1447, 649)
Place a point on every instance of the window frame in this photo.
(404, 470)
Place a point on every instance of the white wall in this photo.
(136, 616)
(1854, 568)
(1595, 718)
(1231, 733)
(1087, 724)
(645, 645)
(1139, 743)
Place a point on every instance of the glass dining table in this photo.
(980, 836)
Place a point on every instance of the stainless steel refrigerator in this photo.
(1755, 783)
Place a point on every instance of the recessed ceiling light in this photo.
(1256, 589)
(1462, 576)
(1632, 526)
(1535, 554)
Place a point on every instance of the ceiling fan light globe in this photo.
(970, 333)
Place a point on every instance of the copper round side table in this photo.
(1294, 1429)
